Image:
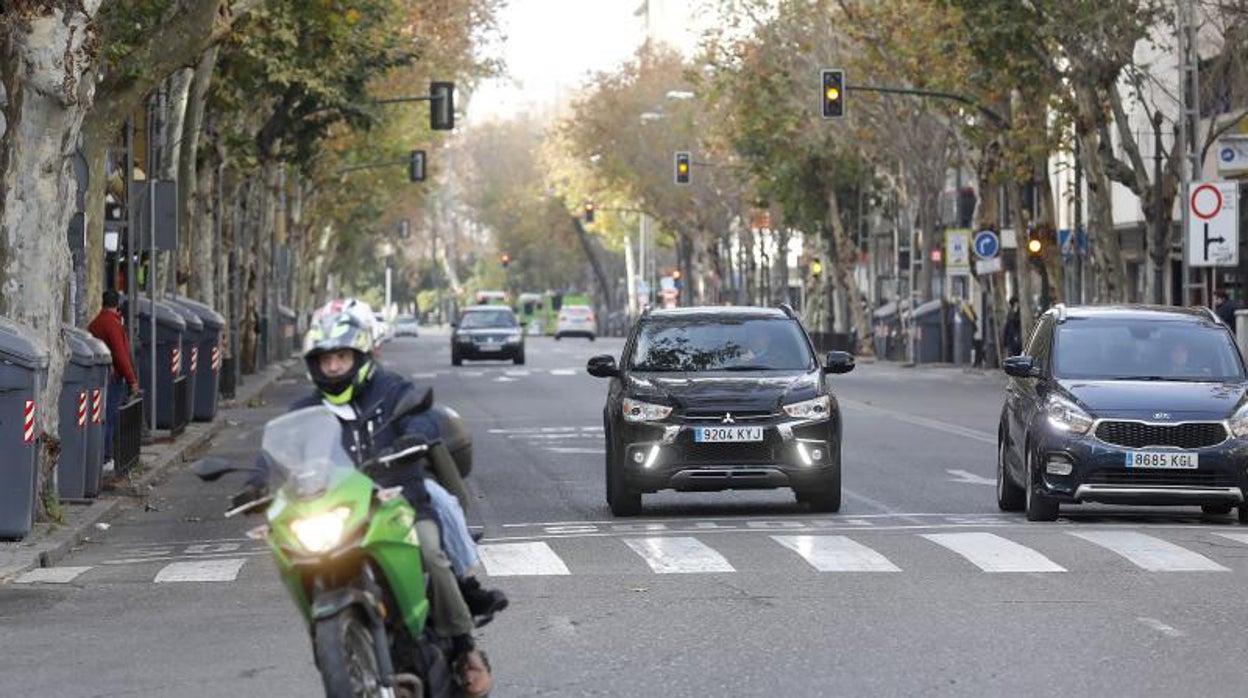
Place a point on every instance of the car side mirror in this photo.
(602, 366)
(454, 325)
(1021, 367)
(838, 362)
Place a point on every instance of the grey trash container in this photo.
(23, 377)
(963, 328)
(75, 411)
(191, 339)
(207, 381)
(926, 320)
(99, 408)
(167, 347)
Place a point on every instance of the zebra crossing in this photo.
(962, 551)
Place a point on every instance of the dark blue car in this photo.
(1125, 405)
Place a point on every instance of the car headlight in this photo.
(817, 408)
(464, 339)
(1239, 421)
(1067, 416)
(513, 338)
(638, 411)
(323, 531)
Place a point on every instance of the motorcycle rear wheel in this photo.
(346, 657)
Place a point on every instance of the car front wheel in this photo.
(1010, 497)
(623, 501)
(1039, 507)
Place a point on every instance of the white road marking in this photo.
(678, 555)
(563, 372)
(543, 430)
(515, 559)
(547, 437)
(424, 375)
(472, 374)
(923, 421)
(992, 553)
(223, 570)
(1237, 537)
(51, 575)
(504, 379)
(971, 478)
(1167, 630)
(519, 372)
(569, 449)
(837, 554)
(1150, 553)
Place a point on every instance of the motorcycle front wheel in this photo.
(347, 657)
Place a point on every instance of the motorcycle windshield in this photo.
(306, 447)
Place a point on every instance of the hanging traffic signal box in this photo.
(1035, 245)
(833, 94)
(416, 166)
(816, 267)
(589, 212)
(683, 165)
(442, 106)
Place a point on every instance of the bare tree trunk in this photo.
(847, 259)
(44, 56)
(194, 200)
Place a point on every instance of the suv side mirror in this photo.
(838, 362)
(1021, 367)
(602, 366)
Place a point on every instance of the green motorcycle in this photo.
(348, 553)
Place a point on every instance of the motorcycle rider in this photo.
(338, 351)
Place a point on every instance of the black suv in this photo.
(1124, 405)
(487, 332)
(721, 398)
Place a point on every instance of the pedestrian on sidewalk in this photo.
(1225, 309)
(109, 327)
(1012, 333)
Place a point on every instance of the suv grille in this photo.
(737, 416)
(1140, 435)
(729, 453)
(1156, 478)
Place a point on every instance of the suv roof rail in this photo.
(1061, 312)
(1208, 311)
(788, 310)
(645, 310)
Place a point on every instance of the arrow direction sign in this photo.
(987, 244)
(1213, 227)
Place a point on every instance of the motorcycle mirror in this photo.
(211, 469)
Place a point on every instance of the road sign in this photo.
(987, 244)
(1232, 150)
(1213, 224)
(984, 267)
(958, 252)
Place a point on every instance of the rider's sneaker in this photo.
(481, 601)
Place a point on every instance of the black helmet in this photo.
(333, 332)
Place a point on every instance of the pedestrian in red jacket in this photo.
(109, 327)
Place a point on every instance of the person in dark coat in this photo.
(1012, 333)
(1225, 309)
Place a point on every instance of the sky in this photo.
(551, 47)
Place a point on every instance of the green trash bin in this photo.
(23, 377)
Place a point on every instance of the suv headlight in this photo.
(1067, 416)
(817, 408)
(513, 338)
(1239, 422)
(321, 532)
(638, 411)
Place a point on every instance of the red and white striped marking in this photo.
(216, 358)
(194, 359)
(82, 408)
(175, 360)
(95, 406)
(29, 422)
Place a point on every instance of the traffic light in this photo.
(833, 94)
(505, 260)
(442, 106)
(114, 212)
(416, 166)
(1035, 245)
(676, 277)
(816, 267)
(589, 212)
(683, 165)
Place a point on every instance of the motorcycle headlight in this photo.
(1239, 421)
(323, 531)
(817, 408)
(1067, 416)
(638, 411)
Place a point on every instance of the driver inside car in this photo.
(339, 356)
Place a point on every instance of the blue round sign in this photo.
(1227, 155)
(987, 244)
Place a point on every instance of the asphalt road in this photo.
(919, 586)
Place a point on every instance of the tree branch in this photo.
(1129, 144)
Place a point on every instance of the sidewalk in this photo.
(47, 543)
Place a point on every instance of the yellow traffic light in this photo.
(833, 94)
(816, 268)
(1034, 246)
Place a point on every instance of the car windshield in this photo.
(488, 318)
(305, 449)
(1145, 350)
(404, 319)
(722, 344)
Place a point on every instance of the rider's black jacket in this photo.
(364, 437)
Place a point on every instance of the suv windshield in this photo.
(722, 344)
(487, 318)
(1145, 350)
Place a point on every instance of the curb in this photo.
(47, 544)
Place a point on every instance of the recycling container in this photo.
(190, 351)
(98, 407)
(75, 406)
(166, 387)
(928, 332)
(23, 377)
(208, 379)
